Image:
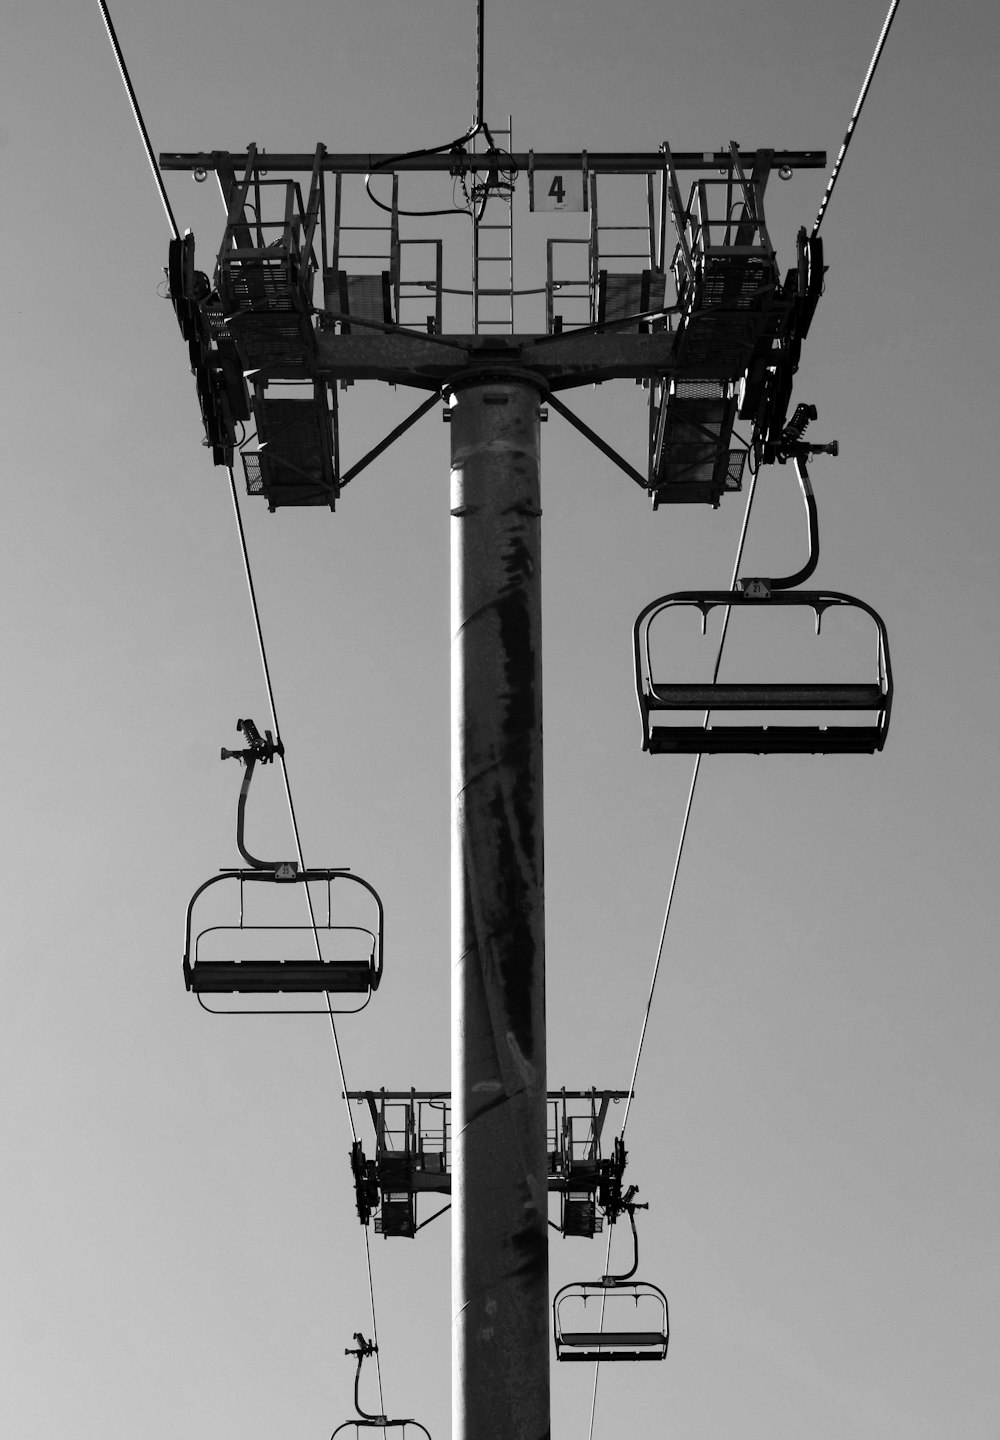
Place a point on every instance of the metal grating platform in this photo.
(293, 464)
(252, 472)
(282, 342)
(261, 284)
(694, 459)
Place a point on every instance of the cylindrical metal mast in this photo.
(500, 1297)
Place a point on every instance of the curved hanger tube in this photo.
(621, 1279)
(788, 582)
(363, 1419)
(241, 809)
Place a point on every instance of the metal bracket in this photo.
(596, 440)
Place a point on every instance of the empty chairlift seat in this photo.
(611, 1320)
(284, 951)
(662, 702)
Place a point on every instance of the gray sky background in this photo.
(814, 1125)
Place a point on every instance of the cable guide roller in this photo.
(661, 700)
(215, 361)
(235, 946)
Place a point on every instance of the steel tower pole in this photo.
(500, 1295)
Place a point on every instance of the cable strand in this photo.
(673, 885)
(272, 705)
(877, 55)
(687, 811)
(137, 115)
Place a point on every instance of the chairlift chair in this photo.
(302, 965)
(659, 699)
(645, 1338)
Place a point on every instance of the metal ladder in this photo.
(493, 261)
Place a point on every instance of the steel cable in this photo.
(302, 865)
(687, 810)
(877, 55)
(144, 134)
(137, 114)
(670, 897)
(879, 47)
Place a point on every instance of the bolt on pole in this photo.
(500, 1291)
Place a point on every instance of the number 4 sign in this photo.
(558, 192)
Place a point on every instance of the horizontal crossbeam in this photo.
(559, 362)
(445, 1095)
(611, 162)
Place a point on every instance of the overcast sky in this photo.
(814, 1126)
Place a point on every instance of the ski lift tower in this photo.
(687, 301)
